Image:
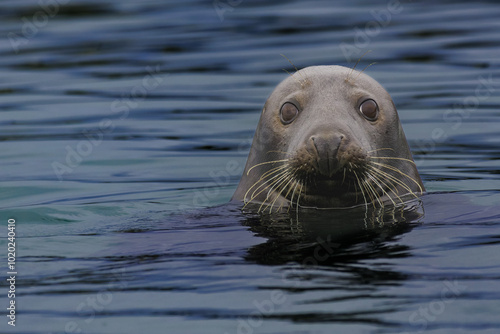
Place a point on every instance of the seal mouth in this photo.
(339, 188)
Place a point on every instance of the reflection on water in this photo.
(324, 237)
(119, 119)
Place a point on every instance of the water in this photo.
(121, 120)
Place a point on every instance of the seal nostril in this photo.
(325, 148)
(327, 143)
(314, 141)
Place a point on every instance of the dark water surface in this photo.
(121, 120)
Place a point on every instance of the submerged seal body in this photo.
(328, 137)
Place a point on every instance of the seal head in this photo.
(328, 137)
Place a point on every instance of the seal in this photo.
(329, 137)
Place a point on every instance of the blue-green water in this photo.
(119, 120)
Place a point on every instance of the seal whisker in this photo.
(392, 187)
(263, 183)
(400, 172)
(374, 179)
(371, 190)
(283, 184)
(298, 199)
(282, 152)
(296, 71)
(354, 67)
(292, 179)
(267, 185)
(293, 194)
(271, 187)
(395, 180)
(381, 149)
(364, 69)
(356, 192)
(361, 189)
(291, 75)
(283, 177)
(294, 187)
(265, 163)
(350, 170)
(367, 190)
(272, 171)
(267, 174)
(395, 158)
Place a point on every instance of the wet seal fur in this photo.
(328, 137)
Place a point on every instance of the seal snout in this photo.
(326, 148)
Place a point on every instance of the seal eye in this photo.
(369, 109)
(288, 113)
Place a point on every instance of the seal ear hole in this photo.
(369, 109)
(288, 113)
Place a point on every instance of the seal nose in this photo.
(327, 149)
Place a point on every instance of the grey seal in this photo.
(329, 137)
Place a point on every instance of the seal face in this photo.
(328, 137)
